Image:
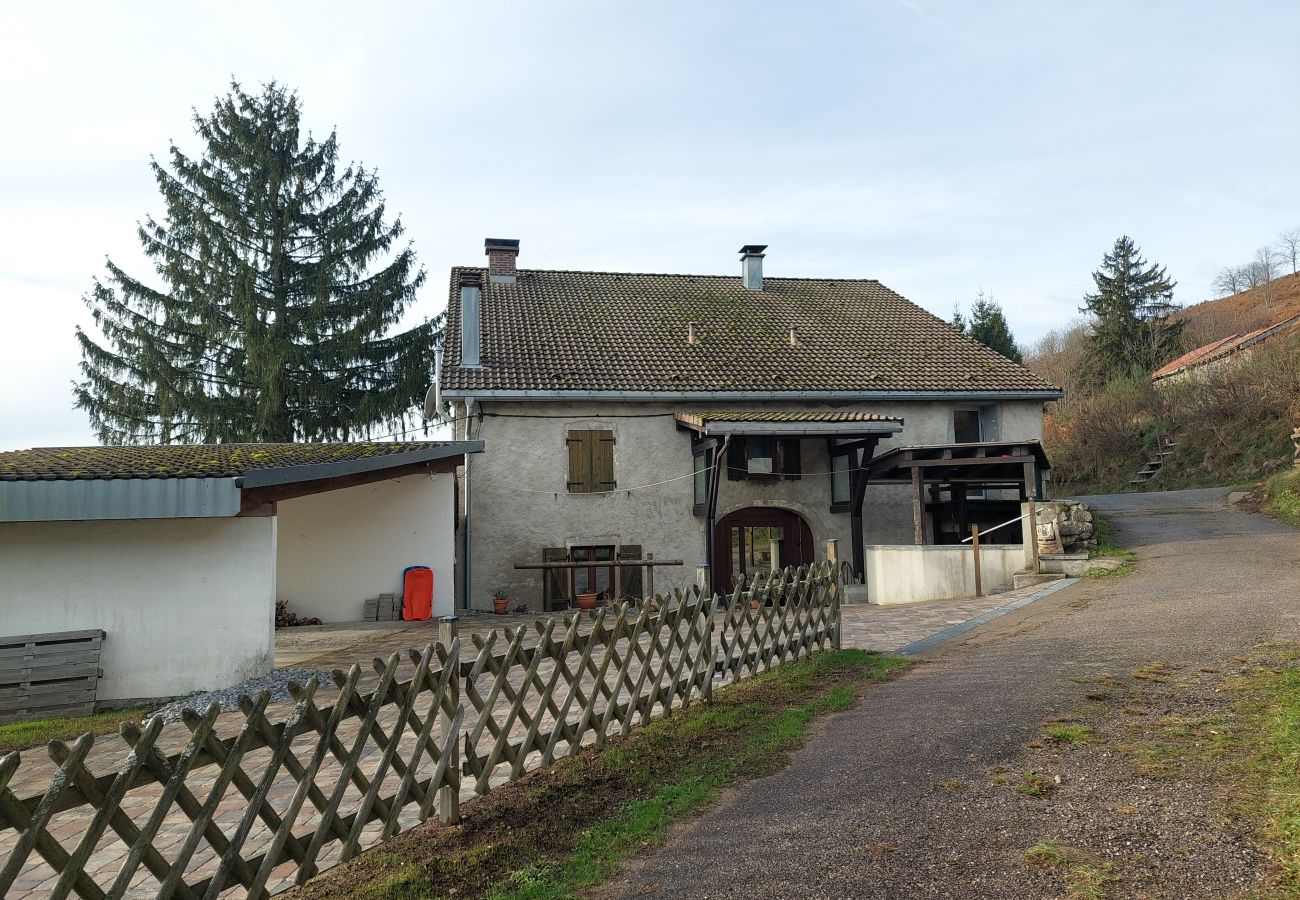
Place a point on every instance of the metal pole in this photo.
(975, 547)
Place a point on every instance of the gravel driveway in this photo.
(896, 797)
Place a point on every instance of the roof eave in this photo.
(707, 396)
(316, 472)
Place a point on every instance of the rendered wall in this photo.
(909, 574)
(187, 604)
(520, 503)
(339, 547)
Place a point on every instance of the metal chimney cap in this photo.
(501, 244)
(753, 249)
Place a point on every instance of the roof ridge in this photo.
(672, 274)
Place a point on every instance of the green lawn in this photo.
(38, 732)
(1282, 497)
(558, 831)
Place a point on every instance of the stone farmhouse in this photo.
(729, 423)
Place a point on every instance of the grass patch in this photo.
(38, 732)
(1282, 498)
(1035, 784)
(1108, 545)
(1156, 672)
(556, 832)
(1067, 733)
(1083, 874)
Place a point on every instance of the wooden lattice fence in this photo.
(248, 811)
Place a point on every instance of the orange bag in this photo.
(417, 593)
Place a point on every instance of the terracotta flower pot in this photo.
(501, 605)
(586, 601)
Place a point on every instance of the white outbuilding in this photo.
(178, 553)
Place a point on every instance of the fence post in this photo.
(650, 576)
(449, 799)
(975, 548)
(710, 648)
(837, 608)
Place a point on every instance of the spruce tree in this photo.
(989, 326)
(280, 287)
(1132, 332)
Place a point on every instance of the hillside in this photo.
(1255, 308)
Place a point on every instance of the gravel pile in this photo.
(277, 682)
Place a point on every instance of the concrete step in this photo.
(1029, 579)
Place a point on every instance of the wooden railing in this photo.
(334, 778)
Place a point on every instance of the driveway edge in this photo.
(952, 631)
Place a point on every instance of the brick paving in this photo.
(882, 628)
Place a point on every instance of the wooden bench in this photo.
(54, 674)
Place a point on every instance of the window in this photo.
(591, 461)
(762, 458)
(700, 480)
(841, 483)
(966, 426)
(596, 578)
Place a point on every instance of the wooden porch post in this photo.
(918, 506)
(858, 491)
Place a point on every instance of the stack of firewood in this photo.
(285, 619)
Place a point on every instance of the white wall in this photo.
(339, 547)
(187, 604)
(907, 574)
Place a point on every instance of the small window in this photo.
(700, 480)
(841, 484)
(763, 458)
(966, 426)
(591, 461)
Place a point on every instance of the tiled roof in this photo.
(700, 419)
(186, 460)
(608, 331)
(1224, 346)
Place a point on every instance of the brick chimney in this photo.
(501, 254)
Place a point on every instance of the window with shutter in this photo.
(630, 577)
(591, 461)
(790, 462)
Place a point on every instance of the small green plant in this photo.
(1085, 877)
(500, 594)
(1067, 733)
(952, 785)
(1035, 784)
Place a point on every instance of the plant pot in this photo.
(586, 601)
(753, 604)
(501, 606)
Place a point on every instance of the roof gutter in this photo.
(801, 429)
(710, 396)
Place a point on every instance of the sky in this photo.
(941, 147)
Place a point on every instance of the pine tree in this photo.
(272, 323)
(958, 319)
(989, 326)
(1131, 327)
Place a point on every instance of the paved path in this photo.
(330, 647)
(860, 811)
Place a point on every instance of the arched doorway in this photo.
(744, 539)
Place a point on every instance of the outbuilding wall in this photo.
(339, 547)
(187, 604)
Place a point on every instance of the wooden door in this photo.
(745, 539)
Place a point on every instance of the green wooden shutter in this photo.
(555, 582)
(579, 443)
(602, 461)
(629, 577)
(791, 465)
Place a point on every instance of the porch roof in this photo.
(986, 462)
(789, 423)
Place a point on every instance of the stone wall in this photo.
(1073, 523)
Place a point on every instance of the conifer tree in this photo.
(988, 325)
(1132, 332)
(280, 288)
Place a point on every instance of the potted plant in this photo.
(586, 601)
(500, 602)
